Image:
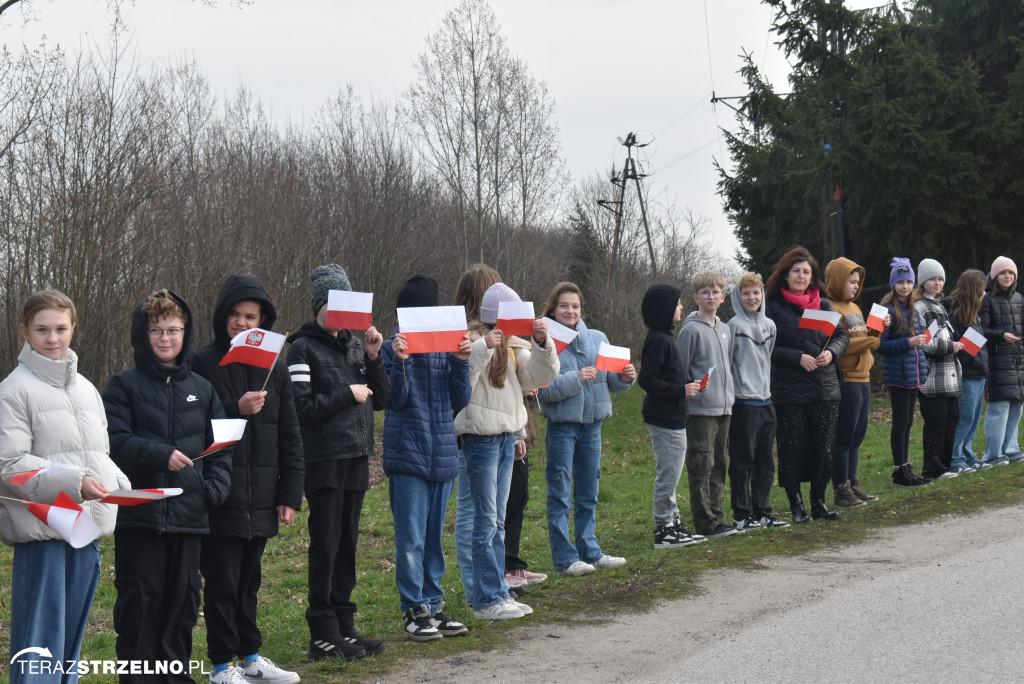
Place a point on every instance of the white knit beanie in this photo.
(496, 293)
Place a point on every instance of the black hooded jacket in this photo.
(662, 375)
(152, 410)
(267, 467)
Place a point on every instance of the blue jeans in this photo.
(419, 507)
(464, 529)
(574, 455)
(489, 467)
(967, 427)
(1001, 424)
(51, 592)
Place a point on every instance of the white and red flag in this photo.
(21, 477)
(611, 358)
(562, 335)
(226, 431)
(67, 519)
(876, 319)
(822, 321)
(973, 341)
(932, 331)
(134, 497)
(515, 318)
(706, 379)
(432, 328)
(255, 347)
(349, 310)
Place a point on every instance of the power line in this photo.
(686, 114)
(711, 74)
(688, 154)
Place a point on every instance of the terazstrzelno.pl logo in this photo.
(35, 660)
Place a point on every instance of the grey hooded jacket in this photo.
(753, 339)
(702, 347)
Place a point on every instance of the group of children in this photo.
(718, 397)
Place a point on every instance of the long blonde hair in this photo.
(497, 368)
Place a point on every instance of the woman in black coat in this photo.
(806, 381)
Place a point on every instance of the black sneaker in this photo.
(344, 647)
(747, 524)
(371, 646)
(689, 538)
(445, 625)
(418, 626)
(517, 591)
(722, 531)
(668, 537)
(772, 521)
(903, 477)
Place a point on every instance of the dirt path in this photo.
(917, 603)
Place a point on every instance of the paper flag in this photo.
(432, 328)
(562, 335)
(349, 310)
(226, 431)
(515, 318)
(134, 497)
(67, 519)
(822, 321)
(611, 358)
(876, 319)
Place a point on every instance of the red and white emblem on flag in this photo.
(822, 321)
(226, 431)
(611, 358)
(876, 319)
(134, 497)
(973, 341)
(931, 332)
(562, 335)
(67, 519)
(255, 347)
(515, 318)
(349, 310)
(432, 328)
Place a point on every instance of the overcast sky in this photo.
(613, 66)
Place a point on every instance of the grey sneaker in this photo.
(264, 670)
(578, 568)
(498, 611)
(607, 561)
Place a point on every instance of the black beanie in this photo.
(421, 290)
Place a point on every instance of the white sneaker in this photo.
(578, 568)
(232, 675)
(523, 608)
(498, 611)
(607, 561)
(264, 670)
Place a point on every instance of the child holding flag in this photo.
(939, 394)
(338, 382)
(575, 404)
(843, 282)
(1002, 318)
(964, 305)
(158, 416)
(904, 368)
(266, 484)
(51, 416)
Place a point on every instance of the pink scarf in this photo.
(810, 299)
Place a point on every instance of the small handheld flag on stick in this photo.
(349, 310)
(876, 319)
(931, 332)
(66, 518)
(23, 476)
(562, 335)
(973, 341)
(822, 321)
(432, 328)
(706, 379)
(134, 497)
(515, 318)
(255, 347)
(611, 358)
(226, 431)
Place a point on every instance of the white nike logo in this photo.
(192, 397)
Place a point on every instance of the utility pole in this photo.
(629, 173)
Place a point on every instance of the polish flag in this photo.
(256, 347)
(932, 331)
(515, 318)
(432, 328)
(349, 310)
(706, 379)
(21, 478)
(226, 431)
(822, 321)
(876, 319)
(973, 341)
(562, 335)
(67, 519)
(134, 497)
(611, 358)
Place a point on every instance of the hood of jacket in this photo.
(755, 327)
(237, 288)
(837, 273)
(659, 306)
(146, 360)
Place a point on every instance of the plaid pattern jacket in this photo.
(945, 374)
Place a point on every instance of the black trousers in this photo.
(941, 415)
(903, 403)
(158, 584)
(518, 497)
(806, 436)
(751, 460)
(333, 536)
(232, 569)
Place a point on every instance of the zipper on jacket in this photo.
(170, 428)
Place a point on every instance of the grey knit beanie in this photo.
(323, 280)
(496, 293)
(928, 269)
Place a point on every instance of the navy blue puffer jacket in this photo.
(903, 365)
(427, 390)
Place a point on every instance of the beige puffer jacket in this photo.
(49, 415)
(492, 411)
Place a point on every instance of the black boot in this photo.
(796, 504)
(819, 511)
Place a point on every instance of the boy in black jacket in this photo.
(158, 418)
(266, 484)
(663, 378)
(338, 381)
